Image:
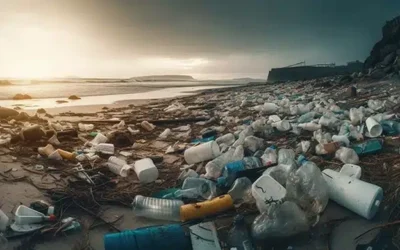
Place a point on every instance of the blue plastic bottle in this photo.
(230, 171)
(149, 238)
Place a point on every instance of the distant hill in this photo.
(162, 78)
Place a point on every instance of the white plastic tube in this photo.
(374, 128)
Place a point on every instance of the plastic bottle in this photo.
(390, 127)
(171, 236)
(227, 139)
(202, 152)
(286, 156)
(147, 125)
(253, 143)
(159, 209)
(214, 167)
(242, 135)
(241, 191)
(308, 188)
(238, 237)
(310, 126)
(197, 187)
(307, 117)
(281, 220)
(368, 147)
(269, 157)
(206, 208)
(347, 155)
(229, 172)
(85, 127)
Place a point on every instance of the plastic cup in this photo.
(374, 128)
(202, 152)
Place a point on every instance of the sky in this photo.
(208, 39)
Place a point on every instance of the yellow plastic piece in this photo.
(206, 208)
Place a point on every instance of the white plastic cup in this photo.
(282, 125)
(3, 221)
(99, 138)
(121, 170)
(361, 197)
(145, 170)
(105, 148)
(374, 128)
(202, 152)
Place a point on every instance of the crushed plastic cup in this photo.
(374, 128)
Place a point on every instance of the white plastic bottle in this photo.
(159, 209)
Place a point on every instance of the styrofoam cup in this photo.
(145, 170)
(202, 152)
(374, 128)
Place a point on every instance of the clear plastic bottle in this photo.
(308, 188)
(241, 191)
(229, 172)
(253, 143)
(239, 237)
(197, 187)
(242, 135)
(347, 155)
(214, 167)
(286, 156)
(307, 117)
(227, 139)
(159, 209)
(269, 157)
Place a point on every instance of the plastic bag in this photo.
(280, 220)
(308, 189)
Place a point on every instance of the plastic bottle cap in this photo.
(301, 159)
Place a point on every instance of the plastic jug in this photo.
(145, 170)
(358, 196)
(266, 189)
(25, 215)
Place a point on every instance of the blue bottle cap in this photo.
(301, 159)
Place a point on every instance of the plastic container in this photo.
(238, 237)
(358, 196)
(374, 128)
(310, 126)
(197, 187)
(3, 221)
(165, 133)
(117, 161)
(48, 150)
(171, 236)
(282, 125)
(342, 139)
(25, 215)
(214, 168)
(145, 170)
(351, 170)
(99, 138)
(202, 152)
(267, 188)
(390, 127)
(159, 209)
(286, 156)
(307, 117)
(118, 169)
(204, 236)
(206, 208)
(105, 148)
